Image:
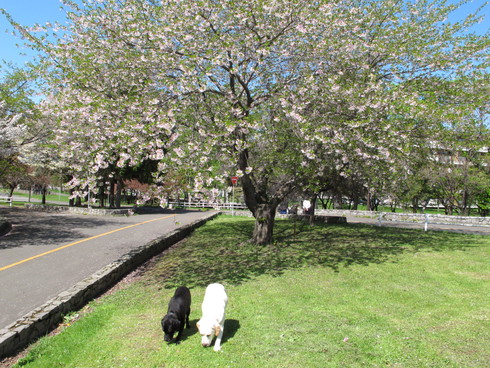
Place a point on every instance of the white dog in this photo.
(212, 321)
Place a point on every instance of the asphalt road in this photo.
(78, 246)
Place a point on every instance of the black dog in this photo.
(177, 316)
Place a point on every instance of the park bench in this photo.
(6, 198)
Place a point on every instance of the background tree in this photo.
(13, 172)
(20, 125)
(17, 111)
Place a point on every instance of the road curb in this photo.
(43, 319)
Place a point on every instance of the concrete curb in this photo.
(43, 319)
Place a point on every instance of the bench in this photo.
(6, 199)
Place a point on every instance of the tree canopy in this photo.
(277, 92)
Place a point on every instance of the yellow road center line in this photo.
(81, 241)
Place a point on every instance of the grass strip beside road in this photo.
(80, 241)
(324, 296)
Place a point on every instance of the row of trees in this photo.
(457, 182)
(288, 95)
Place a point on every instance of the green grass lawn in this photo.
(327, 296)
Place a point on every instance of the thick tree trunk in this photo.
(262, 203)
(265, 215)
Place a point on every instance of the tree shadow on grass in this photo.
(221, 250)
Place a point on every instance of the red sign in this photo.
(234, 180)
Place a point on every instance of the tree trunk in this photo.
(111, 193)
(415, 205)
(265, 215)
(312, 209)
(393, 206)
(43, 198)
(101, 194)
(12, 188)
(448, 209)
(355, 203)
(464, 204)
(119, 186)
(337, 201)
(260, 202)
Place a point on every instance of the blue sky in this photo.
(29, 12)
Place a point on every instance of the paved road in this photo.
(28, 280)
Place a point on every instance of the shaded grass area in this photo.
(224, 251)
(323, 296)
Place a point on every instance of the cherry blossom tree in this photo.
(17, 112)
(20, 126)
(274, 92)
